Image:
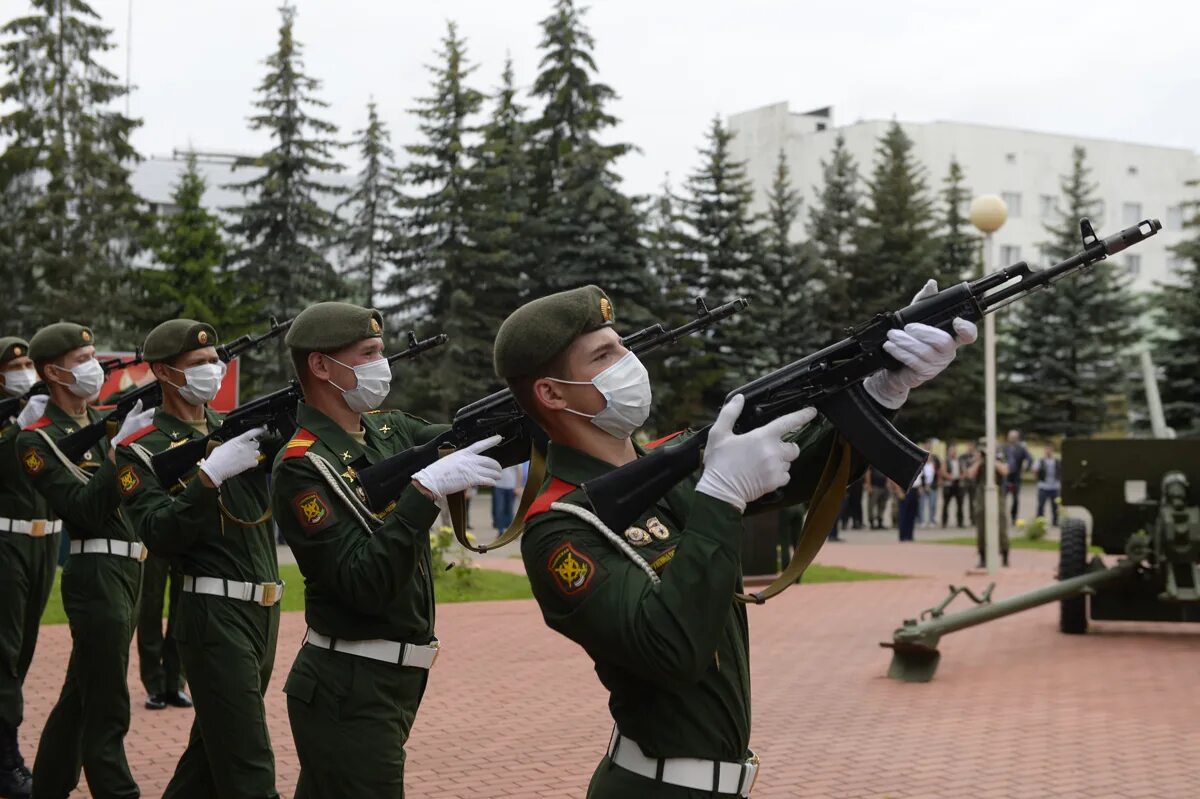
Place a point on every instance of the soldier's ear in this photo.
(318, 366)
(547, 395)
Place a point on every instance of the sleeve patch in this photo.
(660, 563)
(570, 570)
(312, 510)
(33, 461)
(128, 480)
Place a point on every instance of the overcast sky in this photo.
(1123, 70)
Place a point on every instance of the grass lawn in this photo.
(1014, 543)
(817, 573)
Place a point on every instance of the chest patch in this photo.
(128, 480)
(571, 569)
(312, 510)
(33, 461)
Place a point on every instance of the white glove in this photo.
(237, 455)
(741, 468)
(134, 421)
(35, 408)
(924, 352)
(460, 470)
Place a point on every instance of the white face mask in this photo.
(625, 387)
(374, 380)
(18, 382)
(89, 377)
(201, 383)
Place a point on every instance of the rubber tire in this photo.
(1072, 562)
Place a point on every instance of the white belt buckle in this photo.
(270, 594)
(753, 764)
(37, 528)
(436, 646)
(142, 551)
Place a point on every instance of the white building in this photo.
(1135, 181)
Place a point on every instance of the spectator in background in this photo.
(504, 495)
(968, 482)
(929, 487)
(975, 472)
(1017, 459)
(877, 497)
(852, 505)
(908, 505)
(1049, 483)
(951, 475)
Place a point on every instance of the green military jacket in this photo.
(18, 499)
(89, 503)
(358, 583)
(186, 522)
(673, 656)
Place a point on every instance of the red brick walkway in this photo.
(1017, 710)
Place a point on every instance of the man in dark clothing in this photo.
(1017, 458)
(952, 485)
(877, 497)
(1049, 477)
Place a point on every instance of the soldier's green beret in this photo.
(12, 347)
(538, 331)
(330, 326)
(58, 339)
(175, 337)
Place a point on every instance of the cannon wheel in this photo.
(1072, 562)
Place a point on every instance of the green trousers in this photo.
(27, 567)
(350, 718)
(86, 729)
(613, 782)
(158, 656)
(228, 649)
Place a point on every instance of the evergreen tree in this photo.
(895, 247)
(283, 233)
(832, 228)
(790, 327)
(1067, 355)
(72, 222)
(587, 229)
(189, 246)
(721, 255)
(434, 282)
(1177, 352)
(371, 230)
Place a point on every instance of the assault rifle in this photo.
(831, 380)
(500, 414)
(277, 411)
(75, 445)
(110, 365)
(11, 406)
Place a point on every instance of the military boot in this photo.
(15, 780)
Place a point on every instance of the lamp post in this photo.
(988, 214)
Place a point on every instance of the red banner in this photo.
(121, 379)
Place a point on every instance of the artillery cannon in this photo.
(1144, 500)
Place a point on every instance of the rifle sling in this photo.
(822, 514)
(457, 506)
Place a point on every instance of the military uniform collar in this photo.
(378, 425)
(64, 420)
(331, 436)
(177, 429)
(575, 466)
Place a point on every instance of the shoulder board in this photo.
(552, 493)
(659, 442)
(45, 421)
(299, 444)
(145, 431)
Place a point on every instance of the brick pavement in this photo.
(1016, 710)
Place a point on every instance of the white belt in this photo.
(685, 772)
(109, 546)
(34, 528)
(265, 594)
(416, 655)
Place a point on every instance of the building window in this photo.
(1132, 171)
(1175, 217)
(821, 126)
(1133, 263)
(1176, 264)
(1131, 213)
(1048, 206)
(1046, 255)
(1013, 200)
(1010, 158)
(1009, 255)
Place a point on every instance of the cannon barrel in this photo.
(914, 645)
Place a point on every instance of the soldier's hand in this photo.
(237, 455)
(739, 469)
(134, 421)
(34, 409)
(460, 470)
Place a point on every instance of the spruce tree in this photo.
(1177, 352)
(72, 221)
(283, 233)
(895, 246)
(189, 246)
(721, 254)
(790, 327)
(1067, 354)
(434, 280)
(373, 224)
(832, 229)
(587, 229)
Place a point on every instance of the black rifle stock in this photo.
(276, 411)
(831, 380)
(499, 414)
(75, 445)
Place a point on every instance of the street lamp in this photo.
(988, 214)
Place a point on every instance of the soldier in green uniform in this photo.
(653, 605)
(213, 526)
(86, 729)
(357, 681)
(28, 558)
